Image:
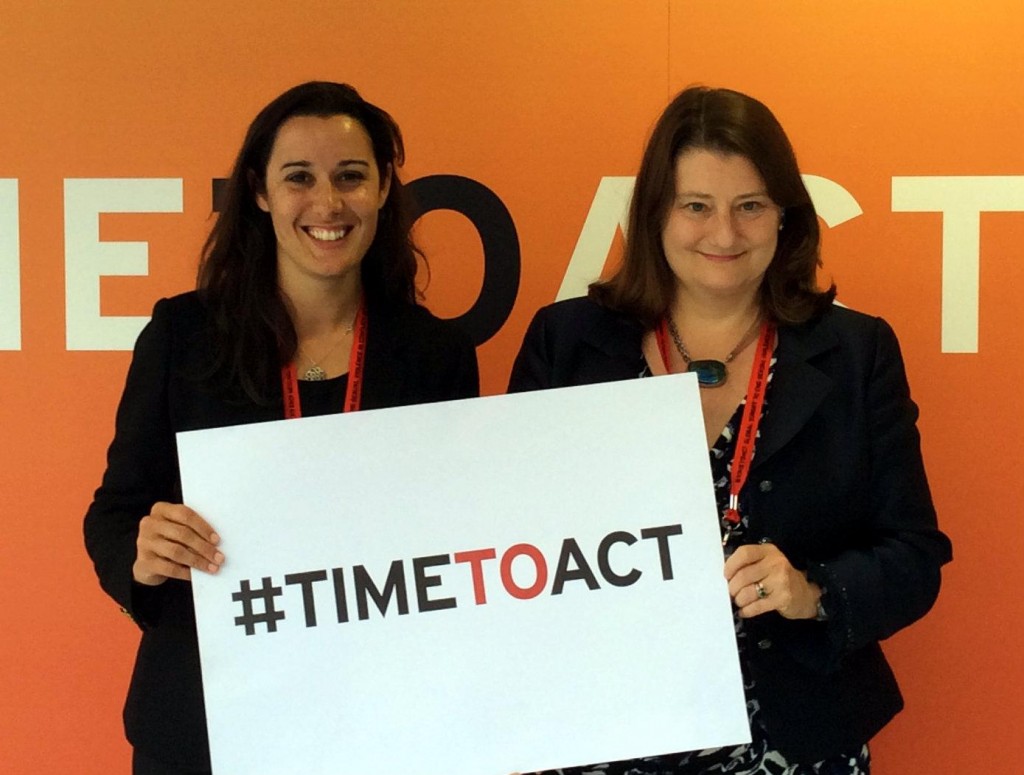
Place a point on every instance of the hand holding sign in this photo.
(761, 579)
(172, 540)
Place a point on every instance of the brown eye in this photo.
(351, 177)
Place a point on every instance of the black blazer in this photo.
(411, 357)
(837, 483)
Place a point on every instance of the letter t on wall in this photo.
(961, 200)
(86, 259)
(10, 267)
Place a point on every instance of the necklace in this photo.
(315, 372)
(710, 373)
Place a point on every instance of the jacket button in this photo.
(764, 644)
(765, 485)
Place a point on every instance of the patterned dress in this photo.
(757, 758)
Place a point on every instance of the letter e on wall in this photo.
(87, 259)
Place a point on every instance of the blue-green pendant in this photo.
(710, 373)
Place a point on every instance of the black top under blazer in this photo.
(837, 483)
(412, 357)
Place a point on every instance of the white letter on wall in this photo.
(10, 267)
(86, 259)
(608, 211)
(961, 200)
(833, 203)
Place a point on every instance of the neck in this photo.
(317, 309)
(714, 314)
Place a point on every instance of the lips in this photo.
(327, 235)
(719, 257)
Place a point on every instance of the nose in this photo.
(330, 198)
(722, 229)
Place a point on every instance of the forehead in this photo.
(325, 139)
(717, 174)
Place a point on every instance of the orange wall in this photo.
(538, 101)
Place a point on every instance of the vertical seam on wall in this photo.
(668, 49)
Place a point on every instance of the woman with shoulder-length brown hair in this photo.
(830, 535)
(730, 124)
(306, 305)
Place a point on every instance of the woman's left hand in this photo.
(761, 579)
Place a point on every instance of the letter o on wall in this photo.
(499, 239)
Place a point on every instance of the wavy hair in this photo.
(253, 334)
(728, 122)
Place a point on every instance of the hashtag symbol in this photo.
(270, 616)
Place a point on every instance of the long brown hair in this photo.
(728, 122)
(252, 331)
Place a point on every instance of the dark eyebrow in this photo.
(699, 195)
(342, 163)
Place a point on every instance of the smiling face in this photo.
(323, 192)
(721, 228)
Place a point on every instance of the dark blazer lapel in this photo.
(798, 387)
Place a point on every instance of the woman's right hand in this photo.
(172, 540)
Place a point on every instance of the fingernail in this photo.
(218, 558)
(214, 538)
(212, 568)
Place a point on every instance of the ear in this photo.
(258, 192)
(385, 187)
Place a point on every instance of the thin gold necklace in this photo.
(315, 372)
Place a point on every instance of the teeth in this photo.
(328, 235)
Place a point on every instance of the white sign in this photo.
(476, 587)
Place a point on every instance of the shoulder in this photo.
(851, 347)
(581, 312)
(413, 356)
(171, 315)
(841, 319)
(841, 327)
(414, 317)
(177, 334)
(414, 323)
(851, 322)
(576, 342)
(184, 312)
(183, 306)
(414, 334)
(574, 321)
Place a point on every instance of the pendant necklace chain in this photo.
(710, 372)
(315, 373)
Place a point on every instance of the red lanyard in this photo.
(356, 365)
(661, 334)
(756, 389)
